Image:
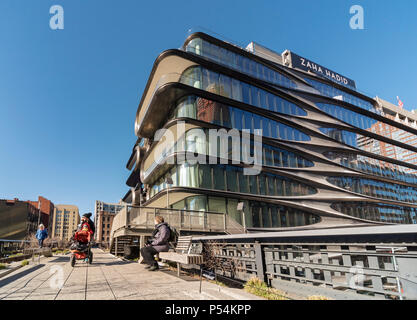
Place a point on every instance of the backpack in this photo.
(173, 234)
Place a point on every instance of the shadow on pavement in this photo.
(19, 275)
(113, 263)
(60, 259)
(183, 276)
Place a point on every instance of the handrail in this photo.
(137, 217)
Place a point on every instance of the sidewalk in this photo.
(107, 278)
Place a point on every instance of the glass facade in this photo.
(214, 112)
(195, 142)
(230, 178)
(257, 214)
(259, 101)
(238, 62)
(372, 166)
(378, 212)
(359, 120)
(335, 93)
(364, 143)
(376, 189)
(228, 87)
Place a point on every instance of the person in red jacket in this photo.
(85, 232)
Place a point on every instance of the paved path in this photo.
(107, 278)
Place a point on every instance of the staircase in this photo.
(119, 245)
(233, 227)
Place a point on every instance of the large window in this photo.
(373, 166)
(371, 145)
(214, 82)
(231, 117)
(335, 93)
(363, 122)
(230, 178)
(271, 156)
(378, 212)
(377, 189)
(257, 214)
(238, 62)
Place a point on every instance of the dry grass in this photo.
(260, 289)
(48, 242)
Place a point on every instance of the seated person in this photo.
(158, 243)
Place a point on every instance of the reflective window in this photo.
(335, 93)
(216, 83)
(227, 178)
(197, 141)
(371, 145)
(376, 189)
(363, 122)
(231, 117)
(373, 166)
(258, 215)
(238, 62)
(378, 212)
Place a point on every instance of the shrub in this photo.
(261, 289)
(25, 263)
(2, 266)
(47, 253)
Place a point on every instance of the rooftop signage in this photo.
(308, 65)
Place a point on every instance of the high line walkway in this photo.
(107, 278)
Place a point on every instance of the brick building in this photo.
(103, 219)
(18, 219)
(47, 210)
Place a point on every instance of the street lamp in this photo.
(168, 181)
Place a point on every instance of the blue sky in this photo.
(68, 97)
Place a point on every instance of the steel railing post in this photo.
(259, 259)
(127, 217)
(189, 214)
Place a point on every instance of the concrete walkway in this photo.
(107, 278)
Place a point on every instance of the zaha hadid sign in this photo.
(308, 65)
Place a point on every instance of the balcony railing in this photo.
(142, 218)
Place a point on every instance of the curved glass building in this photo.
(324, 155)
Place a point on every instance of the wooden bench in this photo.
(182, 254)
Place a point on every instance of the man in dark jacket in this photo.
(158, 243)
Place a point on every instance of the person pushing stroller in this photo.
(85, 230)
(81, 241)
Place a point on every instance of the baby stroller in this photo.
(81, 248)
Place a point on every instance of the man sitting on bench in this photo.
(158, 243)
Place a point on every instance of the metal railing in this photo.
(142, 218)
(339, 271)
